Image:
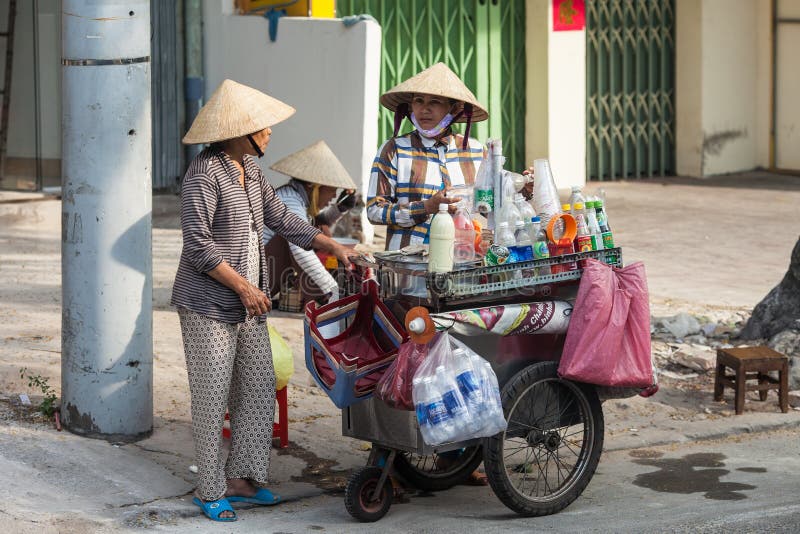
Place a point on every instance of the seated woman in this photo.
(315, 174)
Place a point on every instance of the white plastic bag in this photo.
(455, 395)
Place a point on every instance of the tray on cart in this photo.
(406, 277)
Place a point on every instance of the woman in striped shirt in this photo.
(412, 173)
(316, 174)
(220, 291)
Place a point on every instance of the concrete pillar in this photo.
(556, 92)
(107, 340)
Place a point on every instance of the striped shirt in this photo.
(410, 169)
(215, 224)
(294, 196)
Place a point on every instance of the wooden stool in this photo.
(750, 363)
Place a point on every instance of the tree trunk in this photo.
(780, 309)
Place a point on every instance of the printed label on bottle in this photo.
(437, 413)
(484, 200)
(540, 250)
(584, 243)
(452, 403)
(608, 240)
(422, 414)
(468, 385)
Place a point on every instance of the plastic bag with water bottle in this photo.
(456, 394)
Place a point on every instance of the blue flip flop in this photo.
(212, 509)
(263, 496)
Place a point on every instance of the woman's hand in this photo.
(255, 301)
(432, 204)
(342, 253)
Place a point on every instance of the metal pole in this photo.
(106, 252)
(194, 84)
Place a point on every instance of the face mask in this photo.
(436, 130)
(255, 146)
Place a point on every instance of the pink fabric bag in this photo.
(608, 340)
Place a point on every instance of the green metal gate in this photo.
(630, 88)
(483, 41)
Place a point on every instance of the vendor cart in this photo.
(515, 316)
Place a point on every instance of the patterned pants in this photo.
(229, 365)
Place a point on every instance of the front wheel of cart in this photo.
(550, 450)
(359, 493)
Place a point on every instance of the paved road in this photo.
(741, 484)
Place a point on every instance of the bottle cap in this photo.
(518, 197)
(598, 203)
(444, 207)
(519, 224)
(536, 219)
(578, 206)
(565, 207)
(589, 204)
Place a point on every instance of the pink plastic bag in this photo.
(394, 387)
(608, 340)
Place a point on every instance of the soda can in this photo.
(497, 255)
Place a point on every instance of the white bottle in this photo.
(495, 417)
(523, 245)
(439, 424)
(442, 241)
(505, 237)
(508, 212)
(420, 395)
(575, 198)
(545, 194)
(464, 247)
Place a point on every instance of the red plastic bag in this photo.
(608, 340)
(394, 387)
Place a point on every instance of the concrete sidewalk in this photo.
(711, 247)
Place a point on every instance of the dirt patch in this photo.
(318, 471)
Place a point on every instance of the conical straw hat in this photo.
(437, 80)
(316, 164)
(235, 110)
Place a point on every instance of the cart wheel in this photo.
(427, 472)
(550, 451)
(358, 495)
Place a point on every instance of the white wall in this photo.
(722, 85)
(567, 104)
(329, 73)
(536, 80)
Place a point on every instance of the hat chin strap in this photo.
(400, 113)
(255, 146)
(468, 114)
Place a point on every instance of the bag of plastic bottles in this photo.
(394, 387)
(455, 394)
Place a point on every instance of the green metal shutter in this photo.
(483, 41)
(630, 78)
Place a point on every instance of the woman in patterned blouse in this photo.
(412, 173)
(221, 293)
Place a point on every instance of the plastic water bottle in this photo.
(526, 212)
(484, 189)
(421, 396)
(494, 407)
(454, 403)
(505, 238)
(508, 213)
(464, 247)
(523, 247)
(541, 249)
(575, 198)
(545, 193)
(442, 239)
(469, 387)
(594, 226)
(583, 241)
(440, 426)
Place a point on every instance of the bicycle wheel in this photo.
(429, 473)
(550, 451)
